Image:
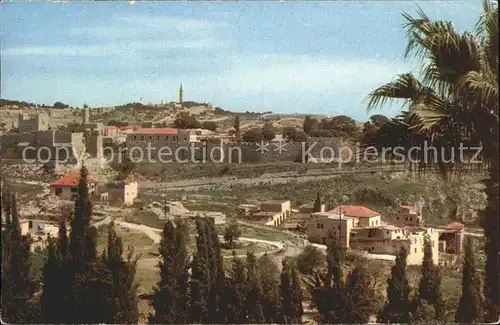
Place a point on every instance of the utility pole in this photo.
(165, 208)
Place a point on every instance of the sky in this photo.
(285, 57)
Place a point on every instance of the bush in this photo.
(208, 125)
(186, 121)
(310, 259)
(49, 167)
(254, 135)
(232, 233)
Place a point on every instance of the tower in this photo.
(85, 114)
(180, 94)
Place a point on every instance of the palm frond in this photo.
(405, 87)
(483, 90)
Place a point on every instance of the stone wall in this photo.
(215, 150)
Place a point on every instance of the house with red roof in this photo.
(341, 222)
(66, 187)
(452, 238)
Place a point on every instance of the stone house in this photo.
(361, 216)
(122, 192)
(66, 187)
(321, 223)
(408, 215)
(451, 239)
(39, 122)
(273, 212)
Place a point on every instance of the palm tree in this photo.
(456, 99)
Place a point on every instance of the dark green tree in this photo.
(18, 286)
(429, 289)
(359, 293)
(235, 293)
(310, 259)
(470, 307)
(237, 127)
(290, 306)
(317, 204)
(309, 125)
(171, 292)
(254, 297)
(269, 278)
(123, 273)
(398, 306)
(231, 233)
(327, 288)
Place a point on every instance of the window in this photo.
(31, 224)
(411, 218)
(142, 137)
(135, 137)
(158, 138)
(406, 218)
(58, 191)
(74, 189)
(397, 218)
(388, 232)
(150, 137)
(335, 233)
(415, 251)
(338, 228)
(318, 226)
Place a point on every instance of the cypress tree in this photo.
(235, 293)
(52, 298)
(217, 276)
(201, 284)
(254, 297)
(18, 286)
(317, 204)
(429, 290)
(328, 288)
(269, 278)
(123, 273)
(290, 309)
(398, 306)
(170, 294)
(80, 224)
(197, 292)
(359, 294)
(470, 306)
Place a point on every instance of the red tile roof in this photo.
(71, 179)
(355, 211)
(454, 226)
(159, 131)
(127, 127)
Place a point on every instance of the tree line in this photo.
(80, 285)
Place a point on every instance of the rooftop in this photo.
(71, 179)
(356, 211)
(159, 131)
(275, 201)
(454, 226)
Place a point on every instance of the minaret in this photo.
(180, 94)
(85, 114)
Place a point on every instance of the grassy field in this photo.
(141, 243)
(256, 232)
(147, 218)
(177, 171)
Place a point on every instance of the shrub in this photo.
(310, 259)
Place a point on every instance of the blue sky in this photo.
(287, 57)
